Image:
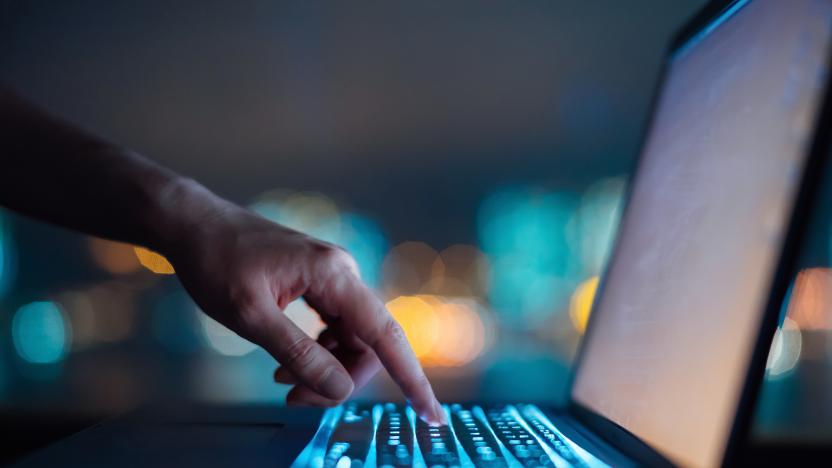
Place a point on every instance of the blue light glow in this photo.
(364, 239)
(40, 333)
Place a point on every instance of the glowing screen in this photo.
(674, 329)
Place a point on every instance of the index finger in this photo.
(365, 315)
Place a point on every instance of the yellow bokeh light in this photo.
(580, 305)
(153, 261)
(419, 321)
(115, 257)
(441, 331)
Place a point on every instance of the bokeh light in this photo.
(417, 317)
(580, 306)
(444, 332)
(810, 305)
(533, 270)
(461, 271)
(785, 350)
(222, 340)
(154, 261)
(593, 228)
(40, 333)
(7, 255)
(408, 267)
(104, 313)
(175, 323)
(115, 257)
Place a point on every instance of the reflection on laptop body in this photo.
(679, 331)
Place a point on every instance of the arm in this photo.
(241, 269)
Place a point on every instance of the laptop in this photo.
(676, 347)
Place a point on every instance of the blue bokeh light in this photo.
(39, 333)
(525, 233)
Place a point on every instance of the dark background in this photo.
(413, 114)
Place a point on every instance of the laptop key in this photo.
(394, 438)
(351, 437)
(437, 445)
(516, 438)
(476, 439)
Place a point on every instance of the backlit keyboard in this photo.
(392, 436)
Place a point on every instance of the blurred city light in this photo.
(408, 267)
(39, 333)
(785, 349)
(153, 261)
(7, 256)
(223, 340)
(595, 223)
(115, 257)
(105, 313)
(418, 319)
(316, 215)
(310, 213)
(81, 316)
(533, 270)
(580, 306)
(444, 332)
(365, 241)
(460, 270)
(176, 324)
(810, 305)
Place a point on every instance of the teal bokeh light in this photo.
(525, 233)
(39, 333)
(364, 239)
(596, 222)
(7, 255)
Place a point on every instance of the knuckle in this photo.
(300, 353)
(335, 257)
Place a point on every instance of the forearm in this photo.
(54, 171)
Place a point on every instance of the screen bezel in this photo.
(710, 16)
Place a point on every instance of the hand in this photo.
(243, 271)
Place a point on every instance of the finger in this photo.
(312, 364)
(283, 375)
(327, 338)
(342, 295)
(362, 366)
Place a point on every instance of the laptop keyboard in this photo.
(392, 436)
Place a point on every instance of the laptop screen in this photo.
(685, 291)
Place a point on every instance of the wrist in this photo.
(180, 209)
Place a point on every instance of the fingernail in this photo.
(440, 417)
(337, 385)
(436, 416)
